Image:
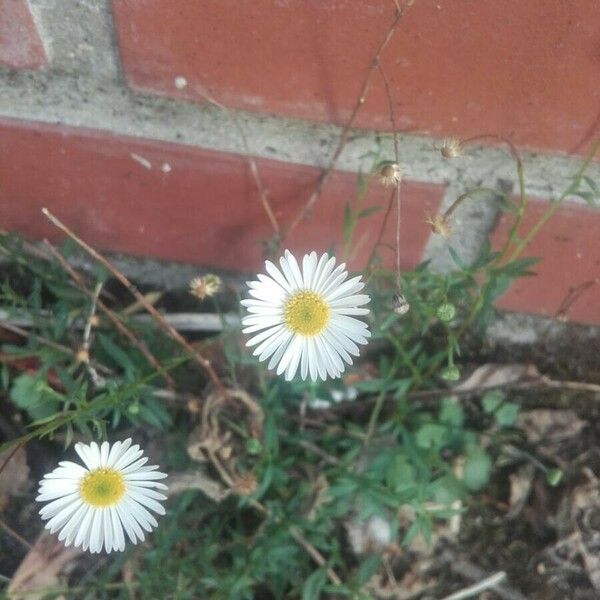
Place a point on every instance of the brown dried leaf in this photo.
(591, 562)
(197, 480)
(550, 426)
(14, 475)
(496, 375)
(40, 569)
(520, 488)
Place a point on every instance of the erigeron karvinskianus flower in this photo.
(205, 286)
(440, 225)
(451, 148)
(389, 173)
(93, 505)
(304, 318)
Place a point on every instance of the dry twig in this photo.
(119, 325)
(324, 176)
(200, 360)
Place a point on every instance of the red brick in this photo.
(569, 246)
(527, 69)
(204, 209)
(20, 44)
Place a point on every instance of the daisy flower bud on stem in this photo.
(452, 148)
(207, 285)
(390, 173)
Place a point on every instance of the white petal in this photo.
(96, 532)
(73, 526)
(276, 274)
(86, 456)
(59, 520)
(348, 288)
(49, 510)
(139, 513)
(119, 538)
(293, 349)
(135, 466)
(323, 271)
(104, 449)
(130, 456)
(148, 502)
(347, 301)
(144, 476)
(293, 269)
(309, 264)
(263, 335)
(130, 524)
(84, 528)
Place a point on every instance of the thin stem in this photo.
(172, 332)
(477, 588)
(262, 191)
(314, 554)
(119, 325)
(554, 206)
(14, 534)
(364, 89)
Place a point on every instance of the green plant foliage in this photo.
(392, 434)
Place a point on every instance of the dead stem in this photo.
(87, 333)
(262, 191)
(49, 343)
(119, 325)
(572, 297)
(173, 333)
(15, 535)
(314, 554)
(390, 100)
(325, 173)
(11, 454)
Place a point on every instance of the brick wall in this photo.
(104, 119)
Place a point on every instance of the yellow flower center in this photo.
(306, 313)
(102, 487)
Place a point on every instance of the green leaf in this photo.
(365, 212)
(34, 396)
(492, 400)
(430, 435)
(446, 490)
(452, 413)
(554, 477)
(518, 267)
(116, 354)
(592, 184)
(507, 414)
(457, 259)
(313, 586)
(399, 473)
(367, 569)
(349, 222)
(477, 469)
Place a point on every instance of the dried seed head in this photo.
(451, 148)
(82, 356)
(401, 305)
(207, 285)
(390, 173)
(244, 484)
(440, 225)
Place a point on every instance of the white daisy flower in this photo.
(92, 505)
(305, 318)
